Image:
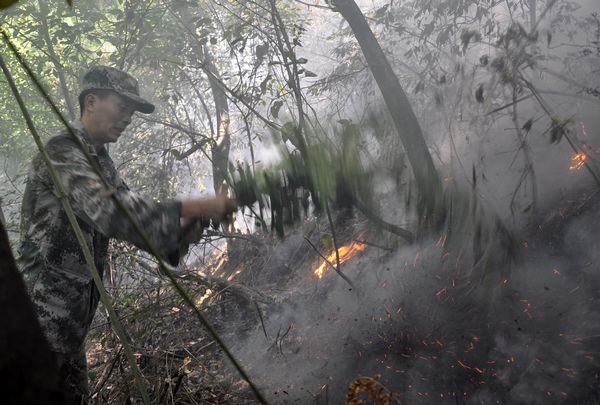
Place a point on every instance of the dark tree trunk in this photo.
(405, 120)
(28, 373)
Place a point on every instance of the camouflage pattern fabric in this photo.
(51, 259)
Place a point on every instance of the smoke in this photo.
(509, 317)
(431, 325)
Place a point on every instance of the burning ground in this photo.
(427, 321)
(473, 315)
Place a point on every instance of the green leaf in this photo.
(261, 51)
(264, 84)
(419, 87)
(327, 241)
(428, 29)
(381, 11)
(443, 36)
(479, 94)
(469, 36)
(175, 154)
(287, 131)
(559, 127)
(275, 108)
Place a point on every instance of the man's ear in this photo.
(90, 101)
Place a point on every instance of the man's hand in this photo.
(197, 213)
(217, 208)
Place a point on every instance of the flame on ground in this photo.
(346, 253)
(578, 161)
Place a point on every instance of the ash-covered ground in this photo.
(433, 322)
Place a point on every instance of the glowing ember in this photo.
(578, 161)
(346, 253)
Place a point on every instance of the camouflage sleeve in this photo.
(94, 205)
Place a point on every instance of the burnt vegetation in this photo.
(419, 191)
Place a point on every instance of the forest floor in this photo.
(419, 324)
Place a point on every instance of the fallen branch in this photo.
(262, 322)
(231, 235)
(346, 279)
(106, 373)
(403, 233)
(364, 242)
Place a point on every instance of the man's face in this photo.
(109, 116)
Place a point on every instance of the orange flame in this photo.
(346, 253)
(578, 161)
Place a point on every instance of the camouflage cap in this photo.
(106, 77)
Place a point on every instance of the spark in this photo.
(578, 161)
(569, 371)
(442, 240)
(415, 260)
(463, 365)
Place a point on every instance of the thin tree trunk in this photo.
(2, 219)
(54, 58)
(532, 14)
(222, 139)
(405, 120)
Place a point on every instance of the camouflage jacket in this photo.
(51, 258)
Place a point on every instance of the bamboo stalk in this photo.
(114, 320)
(151, 248)
(334, 238)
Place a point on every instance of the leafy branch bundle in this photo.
(314, 173)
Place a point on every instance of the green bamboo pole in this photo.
(151, 248)
(114, 320)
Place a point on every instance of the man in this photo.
(54, 268)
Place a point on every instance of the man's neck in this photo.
(88, 128)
